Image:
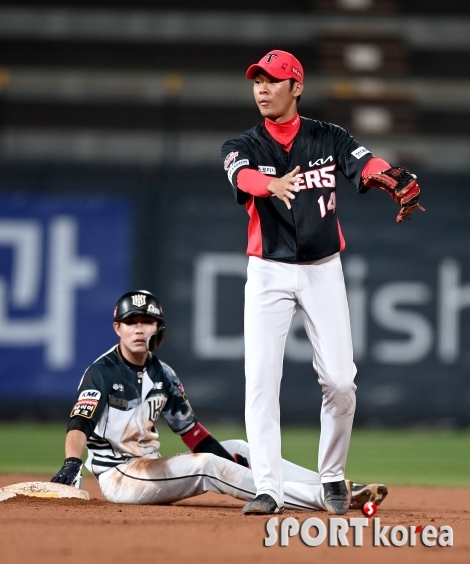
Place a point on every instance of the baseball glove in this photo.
(401, 185)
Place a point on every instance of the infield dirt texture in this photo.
(210, 529)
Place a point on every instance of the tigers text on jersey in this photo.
(122, 412)
(310, 230)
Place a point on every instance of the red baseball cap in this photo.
(278, 64)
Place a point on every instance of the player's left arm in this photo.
(397, 181)
(180, 417)
(366, 171)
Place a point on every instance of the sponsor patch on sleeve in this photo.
(360, 152)
(267, 170)
(236, 165)
(84, 408)
(89, 394)
(229, 158)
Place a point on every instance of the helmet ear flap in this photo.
(155, 340)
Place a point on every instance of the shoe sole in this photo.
(261, 511)
(374, 492)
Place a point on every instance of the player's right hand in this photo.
(69, 471)
(284, 187)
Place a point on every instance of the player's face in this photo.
(275, 98)
(134, 332)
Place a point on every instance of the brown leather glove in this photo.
(401, 185)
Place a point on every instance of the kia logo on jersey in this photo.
(319, 162)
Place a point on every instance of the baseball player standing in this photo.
(120, 398)
(284, 171)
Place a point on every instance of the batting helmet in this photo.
(142, 302)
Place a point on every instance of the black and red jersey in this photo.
(310, 230)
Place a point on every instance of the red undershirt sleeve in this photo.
(253, 182)
(374, 165)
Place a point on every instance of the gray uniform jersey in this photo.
(117, 408)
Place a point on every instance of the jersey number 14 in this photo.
(330, 206)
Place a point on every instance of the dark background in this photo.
(152, 143)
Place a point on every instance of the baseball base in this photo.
(42, 489)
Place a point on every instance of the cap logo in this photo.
(152, 309)
(138, 300)
(270, 57)
(296, 72)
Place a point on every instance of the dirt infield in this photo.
(211, 529)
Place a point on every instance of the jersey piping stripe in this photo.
(255, 246)
(183, 478)
(104, 354)
(342, 240)
(203, 476)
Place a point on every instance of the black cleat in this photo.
(263, 504)
(337, 498)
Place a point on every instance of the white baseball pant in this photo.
(273, 292)
(168, 479)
